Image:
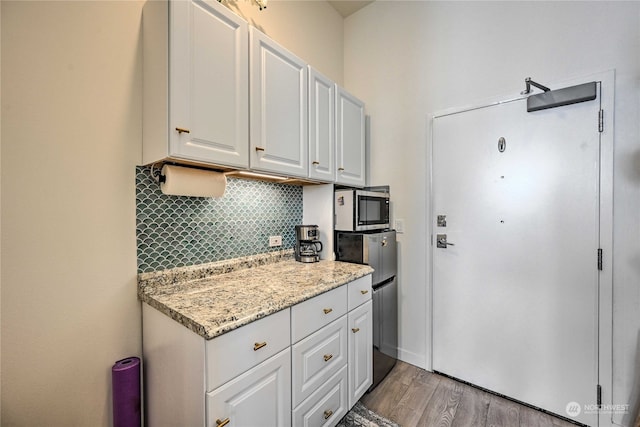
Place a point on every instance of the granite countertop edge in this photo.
(193, 298)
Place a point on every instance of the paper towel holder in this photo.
(156, 170)
(156, 173)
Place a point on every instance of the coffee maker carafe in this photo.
(308, 244)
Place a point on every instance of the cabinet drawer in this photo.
(326, 406)
(316, 358)
(311, 315)
(359, 291)
(234, 352)
(259, 397)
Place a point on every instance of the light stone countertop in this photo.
(248, 291)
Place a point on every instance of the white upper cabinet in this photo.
(322, 129)
(278, 108)
(350, 139)
(196, 83)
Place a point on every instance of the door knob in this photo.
(441, 241)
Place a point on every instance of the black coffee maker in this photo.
(308, 244)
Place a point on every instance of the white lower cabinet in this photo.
(306, 365)
(360, 354)
(332, 367)
(259, 397)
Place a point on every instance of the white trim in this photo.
(412, 358)
(485, 104)
(605, 327)
(605, 363)
(429, 252)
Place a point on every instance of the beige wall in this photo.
(0, 218)
(71, 112)
(71, 131)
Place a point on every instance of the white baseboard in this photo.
(412, 358)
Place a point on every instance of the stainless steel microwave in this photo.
(361, 210)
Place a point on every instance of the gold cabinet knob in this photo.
(327, 414)
(340, 169)
(221, 423)
(327, 310)
(182, 130)
(354, 330)
(257, 346)
(316, 163)
(364, 292)
(328, 357)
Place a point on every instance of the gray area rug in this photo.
(360, 416)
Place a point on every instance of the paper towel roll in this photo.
(181, 181)
(125, 379)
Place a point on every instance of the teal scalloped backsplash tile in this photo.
(174, 231)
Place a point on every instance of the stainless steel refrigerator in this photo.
(379, 250)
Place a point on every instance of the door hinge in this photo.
(601, 120)
(599, 395)
(599, 259)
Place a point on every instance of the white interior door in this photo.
(515, 299)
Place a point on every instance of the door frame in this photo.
(605, 287)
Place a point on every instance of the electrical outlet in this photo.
(275, 241)
(399, 225)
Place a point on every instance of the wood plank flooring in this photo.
(413, 397)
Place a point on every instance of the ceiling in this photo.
(347, 7)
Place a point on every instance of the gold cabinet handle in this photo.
(315, 163)
(364, 292)
(224, 422)
(182, 130)
(327, 414)
(327, 310)
(340, 169)
(259, 149)
(257, 346)
(328, 357)
(354, 330)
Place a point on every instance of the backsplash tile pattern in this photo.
(176, 231)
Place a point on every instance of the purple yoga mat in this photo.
(125, 380)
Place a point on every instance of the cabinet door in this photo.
(209, 83)
(316, 358)
(350, 139)
(259, 397)
(360, 351)
(278, 131)
(322, 130)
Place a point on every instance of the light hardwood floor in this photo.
(412, 397)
